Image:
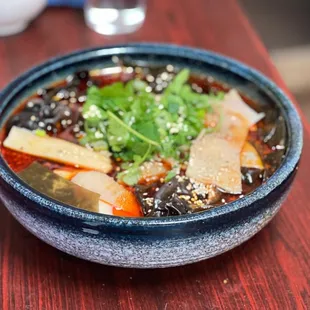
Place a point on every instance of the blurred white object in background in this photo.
(111, 17)
(15, 15)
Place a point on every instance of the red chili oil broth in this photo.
(271, 157)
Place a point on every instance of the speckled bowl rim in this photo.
(293, 122)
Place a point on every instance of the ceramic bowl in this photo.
(151, 242)
(15, 15)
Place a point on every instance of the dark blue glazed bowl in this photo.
(151, 242)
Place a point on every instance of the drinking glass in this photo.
(110, 17)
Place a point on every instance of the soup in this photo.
(135, 141)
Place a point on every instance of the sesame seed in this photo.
(158, 80)
(149, 201)
(280, 147)
(164, 76)
(115, 59)
(158, 88)
(129, 70)
(170, 68)
(138, 70)
(150, 78)
(81, 98)
(185, 197)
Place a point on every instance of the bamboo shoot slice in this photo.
(58, 150)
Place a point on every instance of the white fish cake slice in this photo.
(234, 103)
(216, 161)
(112, 194)
(215, 158)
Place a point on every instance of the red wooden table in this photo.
(271, 271)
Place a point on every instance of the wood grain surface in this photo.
(271, 271)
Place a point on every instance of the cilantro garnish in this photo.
(135, 125)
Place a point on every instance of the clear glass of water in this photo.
(111, 17)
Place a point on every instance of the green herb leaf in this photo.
(99, 145)
(179, 80)
(127, 120)
(149, 130)
(130, 176)
(130, 129)
(170, 175)
(40, 132)
(117, 135)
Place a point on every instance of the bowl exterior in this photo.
(148, 247)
